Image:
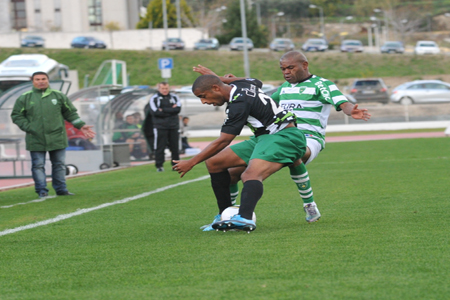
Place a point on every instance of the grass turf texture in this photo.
(143, 65)
(383, 234)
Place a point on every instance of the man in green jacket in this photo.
(41, 113)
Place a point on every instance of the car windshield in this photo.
(427, 45)
(21, 63)
(367, 83)
(241, 41)
(174, 40)
(33, 38)
(393, 45)
(316, 42)
(352, 43)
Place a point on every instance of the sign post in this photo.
(166, 66)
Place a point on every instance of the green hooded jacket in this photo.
(41, 115)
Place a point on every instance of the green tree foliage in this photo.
(155, 15)
(232, 28)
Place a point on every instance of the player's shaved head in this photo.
(205, 82)
(295, 56)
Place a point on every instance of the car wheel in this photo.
(406, 101)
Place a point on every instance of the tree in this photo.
(155, 15)
(232, 28)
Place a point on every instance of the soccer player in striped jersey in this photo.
(311, 98)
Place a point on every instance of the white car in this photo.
(421, 91)
(426, 47)
(315, 45)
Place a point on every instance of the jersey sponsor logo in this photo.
(323, 90)
(290, 106)
(54, 101)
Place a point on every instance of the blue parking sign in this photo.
(165, 63)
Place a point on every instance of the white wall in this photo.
(142, 39)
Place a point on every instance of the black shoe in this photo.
(66, 193)
(43, 195)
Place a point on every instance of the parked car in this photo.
(369, 90)
(392, 47)
(207, 44)
(426, 47)
(282, 45)
(32, 41)
(173, 44)
(315, 45)
(87, 42)
(352, 46)
(237, 44)
(421, 91)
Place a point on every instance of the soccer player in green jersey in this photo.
(311, 98)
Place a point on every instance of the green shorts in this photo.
(285, 147)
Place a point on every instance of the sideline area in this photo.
(6, 184)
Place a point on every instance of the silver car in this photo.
(282, 45)
(352, 46)
(315, 45)
(237, 44)
(421, 91)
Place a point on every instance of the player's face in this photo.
(40, 81)
(211, 97)
(293, 70)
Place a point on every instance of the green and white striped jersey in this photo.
(311, 101)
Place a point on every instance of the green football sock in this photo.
(301, 178)
(234, 193)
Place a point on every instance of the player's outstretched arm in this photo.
(356, 113)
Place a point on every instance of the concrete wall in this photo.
(142, 39)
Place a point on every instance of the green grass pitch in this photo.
(384, 233)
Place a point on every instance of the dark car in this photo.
(392, 47)
(87, 42)
(173, 44)
(369, 90)
(207, 44)
(32, 41)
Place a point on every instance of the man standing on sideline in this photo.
(165, 108)
(41, 113)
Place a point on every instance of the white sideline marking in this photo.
(86, 210)
(32, 201)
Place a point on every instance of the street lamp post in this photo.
(376, 29)
(274, 28)
(342, 21)
(386, 25)
(322, 27)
